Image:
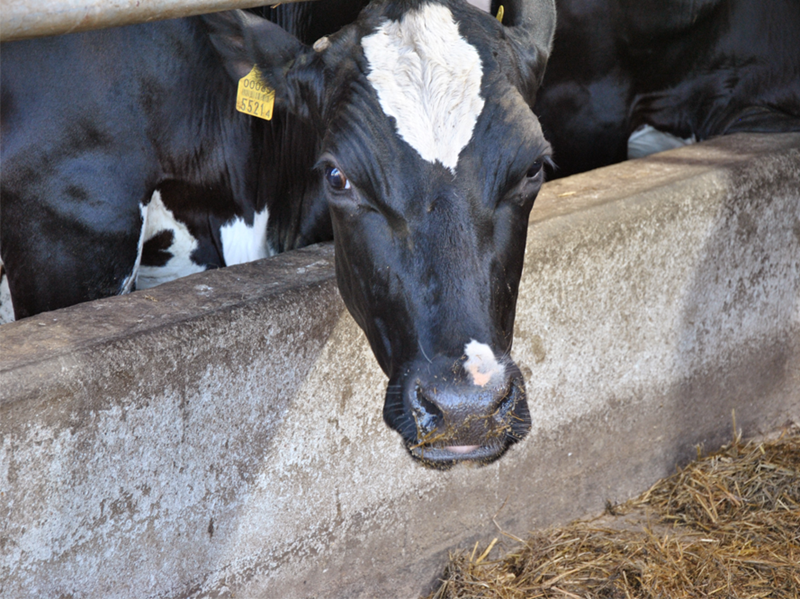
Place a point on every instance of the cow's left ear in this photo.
(287, 65)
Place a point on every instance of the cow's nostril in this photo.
(506, 400)
(429, 416)
(512, 414)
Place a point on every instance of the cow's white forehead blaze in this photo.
(481, 363)
(428, 78)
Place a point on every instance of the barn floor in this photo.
(727, 525)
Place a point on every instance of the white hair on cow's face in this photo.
(428, 78)
(481, 363)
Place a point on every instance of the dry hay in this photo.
(727, 526)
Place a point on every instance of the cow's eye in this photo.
(535, 169)
(524, 191)
(336, 179)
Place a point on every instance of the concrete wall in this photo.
(221, 436)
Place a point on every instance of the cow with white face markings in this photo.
(432, 158)
(429, 159)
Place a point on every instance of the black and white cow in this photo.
(425, 159)
(136, 122)
(630, 77)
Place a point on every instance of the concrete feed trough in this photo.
(221, 436)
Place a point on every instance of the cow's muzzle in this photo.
(446, 417)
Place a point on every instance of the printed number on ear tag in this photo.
(254, 96)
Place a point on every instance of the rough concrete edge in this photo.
(52, 336)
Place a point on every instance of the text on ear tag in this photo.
(254, 96)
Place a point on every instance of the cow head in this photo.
(431, 159)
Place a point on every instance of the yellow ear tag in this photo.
(254, 97)
(500, 12)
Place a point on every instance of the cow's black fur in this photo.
(697, 68)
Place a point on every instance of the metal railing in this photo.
(20, 19)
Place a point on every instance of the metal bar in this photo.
(21, 19)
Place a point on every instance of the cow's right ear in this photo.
(287, 65)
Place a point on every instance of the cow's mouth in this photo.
(446, 457)
(478, 439)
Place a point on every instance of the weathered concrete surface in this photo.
(221, 436)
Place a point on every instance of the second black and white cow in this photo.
(424, 150)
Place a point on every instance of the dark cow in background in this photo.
(666, 72)
(418, 145)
